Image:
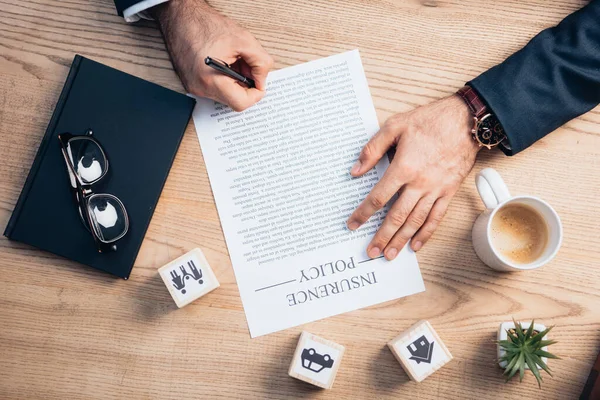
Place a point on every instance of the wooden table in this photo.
(68, 331)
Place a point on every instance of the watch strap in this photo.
(470, 96)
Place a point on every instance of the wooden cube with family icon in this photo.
(188, 277)
(316, 360)
(420, 351)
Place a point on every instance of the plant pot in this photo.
(503, 335)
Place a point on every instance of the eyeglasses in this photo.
(103, 215)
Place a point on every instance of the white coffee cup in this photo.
(495, 195)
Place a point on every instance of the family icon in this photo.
(180, 280)
(188, 277)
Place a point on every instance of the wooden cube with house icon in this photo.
(188, 277)
(316, 360)
(420, 351)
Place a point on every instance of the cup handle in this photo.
(491, 187)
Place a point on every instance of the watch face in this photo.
(489, 131)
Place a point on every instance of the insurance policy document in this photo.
(280, 175)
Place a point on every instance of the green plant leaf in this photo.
(508, 357)
(543, 353)
(511, 361)
(541, 363)
(544, 343)
(530, 330)
(512, 338)
(521, 365)
(541, 335)
(509, 346)
(506, 343)
(519, 330)
(533, 368)
(513, 369)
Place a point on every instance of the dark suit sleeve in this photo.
(124, 4)
(552, 80)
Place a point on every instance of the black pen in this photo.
(224, 68)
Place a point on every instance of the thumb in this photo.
(376, 148)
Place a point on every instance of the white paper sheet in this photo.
(279, 172)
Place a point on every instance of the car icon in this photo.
(314, 361)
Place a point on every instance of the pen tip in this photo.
(207, 60)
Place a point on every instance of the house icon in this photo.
(421, 350)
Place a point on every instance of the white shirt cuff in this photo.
(138, 10)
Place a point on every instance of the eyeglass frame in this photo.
(83, 193)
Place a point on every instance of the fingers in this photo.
(395, 219)
(259, 61)
(246, 56)
(374, 150)
(414, 221)
(256, 64)
(411, 217)
(381, 193)
(232, 93)
(433, 220)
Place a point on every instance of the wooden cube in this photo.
(316, 360)
(420, 351)
(188, 277)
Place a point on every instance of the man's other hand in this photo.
(193, 30)
(434, 154)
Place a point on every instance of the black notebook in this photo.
(591, 389)
(139, 125)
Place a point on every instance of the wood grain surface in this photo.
(70, 332)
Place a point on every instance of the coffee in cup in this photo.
(514, 233)
(519, 233)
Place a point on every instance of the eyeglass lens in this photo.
(87, 158)
(109, 218)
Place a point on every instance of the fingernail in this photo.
(356, 168)
(374, 252)
(353, 225)
(391, 254)
(417, 246)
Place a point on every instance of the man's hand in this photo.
(434, 154)
(193, 30)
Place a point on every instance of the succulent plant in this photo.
(524, 348)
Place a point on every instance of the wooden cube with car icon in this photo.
(316, 360)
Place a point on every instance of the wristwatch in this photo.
(487, 130)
